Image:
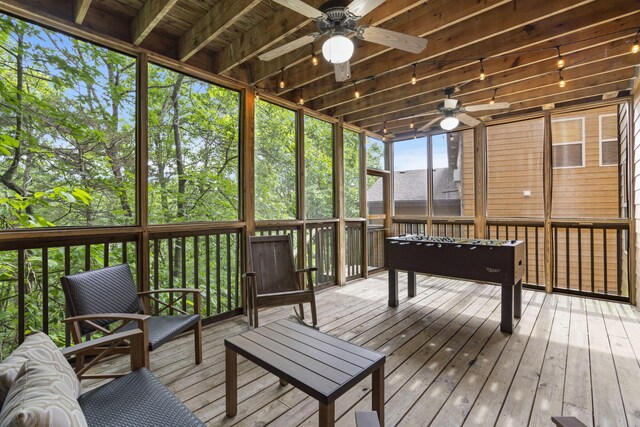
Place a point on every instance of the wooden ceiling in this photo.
(517, 40)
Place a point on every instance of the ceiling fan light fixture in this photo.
(449, 123)
(337, 49)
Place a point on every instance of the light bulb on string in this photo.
(414, 79)
(482, 74)
(561, 81)
(635, 48)
(412, 124)
(560, 58)
(314, 59)
(281, 85)
(384, 128)
(356, 94)
(493, 98)
(301, 100)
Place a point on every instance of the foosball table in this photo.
(494, 261)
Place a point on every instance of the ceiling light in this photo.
(356, 94)
(561, 81)
(281, 84)
(337, 49)
(560, 58)
(314, 59)
(482, 74)
(493, 98)
(449, 123)
(414, 79)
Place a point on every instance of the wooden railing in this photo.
(354, 255)
(532, 234)
(375, 248)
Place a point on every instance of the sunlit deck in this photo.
(447, 361)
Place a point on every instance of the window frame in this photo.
(601, 140)
(582, 143)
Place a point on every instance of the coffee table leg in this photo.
(327, 414)
(231, 381)
(377, 394)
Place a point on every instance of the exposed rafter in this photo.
(148, 17)
(210, 26)
(81, 7)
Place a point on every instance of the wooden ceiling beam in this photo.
(434, 15)
(148, 17)
(81, 7)
(217, 20)
(444, 38)
(382, 90)
(588, 61)
(588, 75)
(275, 29)
(400, 129)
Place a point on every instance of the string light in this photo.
(636, 47)
(301, 100)
(561, 81)
(560, 58)
(314, 57)
(281, 84)
(482, 74)
(414, 79)
(384, 128)
(493, 98)
(356, 94)
(412, 124)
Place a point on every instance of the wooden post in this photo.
(338, 200)
(427, 228)
(247, 165)
(547, 160)
(363, 205)
(300, 176)
(479, 180)
(142, 160)
(632, 113)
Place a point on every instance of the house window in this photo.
(567, 135)
(608, 140)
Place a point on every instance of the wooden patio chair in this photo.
(272, 279)
(98, 298)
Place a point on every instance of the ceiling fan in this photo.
(337, 19)
(452, 112)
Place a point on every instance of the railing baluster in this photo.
(229, 298)
(45, 290)
(124, 253)
(567, 261)
(196, 265)
(67, 271)
(183, 268)
(620, 258)
(555, 256)
(580, 259)
(604, 260)
(537, 259)
(526, 254)
(593, 284)
(105, 262)
(208, 272)
(218, 286)
(237, 269)
(21, 295)
(171, 248)
(87, 257)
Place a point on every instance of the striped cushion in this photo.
(37, 347)
(40, 398)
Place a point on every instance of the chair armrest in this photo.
(308, 269)
(159, 291)
(138, 351)
(114, 316)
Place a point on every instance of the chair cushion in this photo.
(107, 290)
(135, 400)
(37, 347)
(164, 328)
(39, 397)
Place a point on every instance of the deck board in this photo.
(448, 364)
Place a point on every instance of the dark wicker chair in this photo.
(273, 280)
(98, 298)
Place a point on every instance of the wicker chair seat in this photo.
(163, 328)
(138, 399)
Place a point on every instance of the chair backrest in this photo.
(271, 258)
(107, 290)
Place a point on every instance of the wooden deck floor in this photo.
(447, 362)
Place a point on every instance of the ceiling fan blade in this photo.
(428, 125)
(450, 103)
(343, 71)
(468, 120)
(495, 106)
(392, 39)
(301, 7)
(288, 47)
(362, 7)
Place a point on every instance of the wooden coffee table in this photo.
(322, 366)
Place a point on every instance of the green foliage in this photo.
(351, 142)
(318, 164)
(275, 162)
